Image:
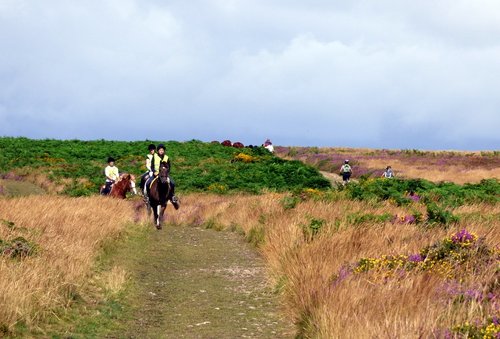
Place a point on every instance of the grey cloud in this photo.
(326, 73)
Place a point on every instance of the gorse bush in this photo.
(196, 166)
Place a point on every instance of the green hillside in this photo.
(196, 166)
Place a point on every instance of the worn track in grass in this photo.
(197, 283)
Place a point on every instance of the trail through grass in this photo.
(196, 283)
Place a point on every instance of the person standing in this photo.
(388, 173)
(346, 171)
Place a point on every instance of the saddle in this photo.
(150, 181)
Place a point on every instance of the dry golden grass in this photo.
(68, 233)
(359, 307)
(457, 174)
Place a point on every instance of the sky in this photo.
(379, 74)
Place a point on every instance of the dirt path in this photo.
(198, 283)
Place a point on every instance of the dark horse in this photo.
(120, 188)
(159, 193)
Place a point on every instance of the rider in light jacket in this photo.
(149, 172)
(158, 158)
(112, 175)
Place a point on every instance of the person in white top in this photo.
(149, 172)
(112, 175)
(269, 146)
(388, 173)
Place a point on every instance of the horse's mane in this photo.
(121, 187)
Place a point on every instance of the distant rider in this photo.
(149, 172)
(388, 173)
(346, 171)
(158, 158)
(269, 145)
(112, 175)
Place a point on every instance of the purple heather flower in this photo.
(344, 272)
(414, 197)
(415, 258)
(410, 219)
(462, 236)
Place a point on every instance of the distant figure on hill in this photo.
(346, 171)
(268, 145)
(149, 171)
(388, 173)
(158, 158)
(112, 175)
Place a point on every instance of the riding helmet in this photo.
(111, 159)
(151, 147)
(161, 146)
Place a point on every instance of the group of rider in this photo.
(154, 158)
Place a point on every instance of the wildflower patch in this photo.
(443, 257)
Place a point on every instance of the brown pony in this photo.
(125, 184)
(159, 193)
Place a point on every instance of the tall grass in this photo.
(66, 235)
(309, 270)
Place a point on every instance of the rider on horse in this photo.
(158, 158)
(112, 175)
(149, 172)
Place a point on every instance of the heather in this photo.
(455, 166)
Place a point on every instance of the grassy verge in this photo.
(103, 307)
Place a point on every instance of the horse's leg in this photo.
(162, 211)
(155, 214)
(158, 215)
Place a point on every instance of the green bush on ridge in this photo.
(196, 166)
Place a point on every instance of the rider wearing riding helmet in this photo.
(158, 158)
(149, 172)
(112, 175)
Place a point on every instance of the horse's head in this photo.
(164, 172)
(125, 183)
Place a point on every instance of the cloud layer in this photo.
(393, 74)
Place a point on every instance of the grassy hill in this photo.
(456, 166)
(75, 167)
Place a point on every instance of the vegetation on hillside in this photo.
(77, 166)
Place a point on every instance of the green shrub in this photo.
(313, 228)
(196, 166)
(256, 236)
(289, 202)
(438, 215)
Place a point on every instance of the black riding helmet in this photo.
(111, 159)
(151, 147)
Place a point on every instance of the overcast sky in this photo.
(381, 73)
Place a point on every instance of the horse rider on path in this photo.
(158, 158)
(112, 175)
(149, 172)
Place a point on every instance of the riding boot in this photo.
(174, 199)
